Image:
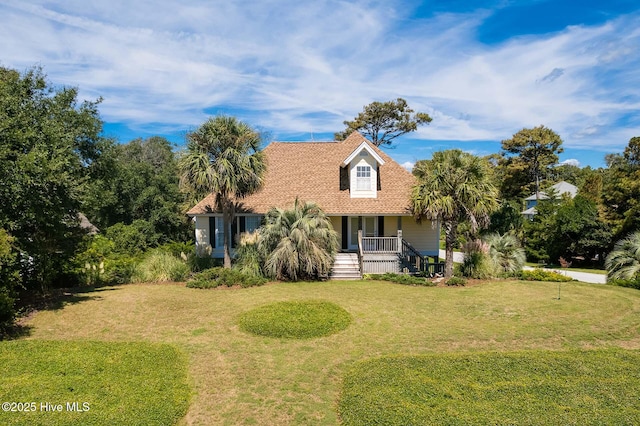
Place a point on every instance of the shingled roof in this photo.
(310, 171)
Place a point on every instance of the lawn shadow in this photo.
(15, 332)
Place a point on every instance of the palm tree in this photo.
(454, 187)
(223, 158)
(298, 243)
(624, 261)
(506, 253)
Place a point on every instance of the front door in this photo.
(369, 229)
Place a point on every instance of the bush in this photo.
(542, 275)
(159, 266)
(7, 312)
(216, 277)
(132, 239)
(249, 261)
(625, 283)
(476, 262)
(100, 264)
(456, 281)
(199, 264)
(118, 270)
(178, 249)
(506, 253)
(400, 279)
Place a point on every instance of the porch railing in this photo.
(415, 262)
(380, 244)
(374, 256)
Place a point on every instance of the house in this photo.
(363, 191)
(559, 189)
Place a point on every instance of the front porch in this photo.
(379, 255)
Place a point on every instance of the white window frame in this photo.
(363, 178)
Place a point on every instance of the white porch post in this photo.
(399, 241)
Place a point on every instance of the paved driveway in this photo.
(580, 276)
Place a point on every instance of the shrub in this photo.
(506, 253)
(178, 249)
(7, 312)
(400, 279)
(216, 277)
(132, 239)
(159, 266)
(476, 262)
(542, 275)
(118, 270)
(625, 283)
(100, 264)
(296, 320)
(248, 258)
(298, 244)
(456, 281)
(624, 261)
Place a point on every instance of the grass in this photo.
(112, 383)
(526, 388)
(587, 270)
(296, 320)
(239, 378)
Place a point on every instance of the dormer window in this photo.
(362, 166)
(363, 178)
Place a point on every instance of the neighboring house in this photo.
(559, 189)
(87, 226)
(356, 184)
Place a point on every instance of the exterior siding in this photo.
(336, 222)
(367, 160)
(423, 236)
(390, 226)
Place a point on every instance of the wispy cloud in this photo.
(302, 67)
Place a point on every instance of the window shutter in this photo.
(212, 232)
(344, 178)
(381, 226)
(233, 236)
(345, 232)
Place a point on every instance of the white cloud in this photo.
(296, 67)
(570, 162)
(408, 165)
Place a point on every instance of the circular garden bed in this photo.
(296, 319)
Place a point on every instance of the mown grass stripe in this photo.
(123, 383)
(581, 387)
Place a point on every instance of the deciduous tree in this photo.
(47, 141)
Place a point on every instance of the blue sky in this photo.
(296, 70)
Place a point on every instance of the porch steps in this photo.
(346, 267)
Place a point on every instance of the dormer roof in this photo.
(364, 146)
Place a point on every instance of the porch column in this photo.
(399, 240)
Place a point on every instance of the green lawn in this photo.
(92, 383)
(241, 378)
(588, 270)
(495, 388)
